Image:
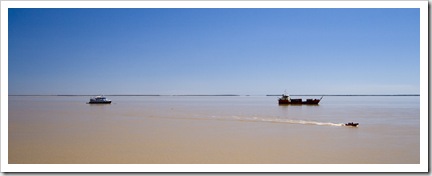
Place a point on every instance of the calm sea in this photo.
(213, 129)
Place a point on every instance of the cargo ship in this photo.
(286, 99)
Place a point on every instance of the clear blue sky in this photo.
(214, 51)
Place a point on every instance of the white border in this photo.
(215, 168)
(213, 4)
(424, 153)
(4, 87)
(424, 86)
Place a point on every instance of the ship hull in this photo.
(106, 102)
(294, 102)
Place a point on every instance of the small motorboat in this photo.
(352, 124)
(99, 100)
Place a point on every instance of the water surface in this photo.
(213, 129)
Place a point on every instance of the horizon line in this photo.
(214, 95)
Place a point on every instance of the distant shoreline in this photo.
(357, 95)
(203, 95)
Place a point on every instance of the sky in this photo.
(214, 51)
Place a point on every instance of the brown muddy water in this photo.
(213, 130)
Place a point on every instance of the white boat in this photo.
(99, 100)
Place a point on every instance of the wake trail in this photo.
(256, 119)
(303, 122)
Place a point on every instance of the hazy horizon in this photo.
(215, 94)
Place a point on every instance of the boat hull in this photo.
(300, 102)
(352, 124)
(106, 102)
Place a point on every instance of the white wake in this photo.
(274, 120)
